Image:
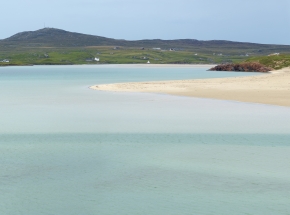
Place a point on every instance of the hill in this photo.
(51, 37)
(56, 46)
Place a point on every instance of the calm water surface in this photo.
(69, 150)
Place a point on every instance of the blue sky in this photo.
(260, 21)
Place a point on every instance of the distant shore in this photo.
(119, 65)
(272, 88)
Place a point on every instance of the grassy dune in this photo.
(275, 62)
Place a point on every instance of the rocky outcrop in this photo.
(242, 67)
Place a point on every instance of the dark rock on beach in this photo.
(242, 67)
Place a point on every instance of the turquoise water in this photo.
(66, 149)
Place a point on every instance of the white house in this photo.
(97, 59)
(274, 54)
(5, 61)
(148, 62)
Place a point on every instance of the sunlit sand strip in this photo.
(272, 88)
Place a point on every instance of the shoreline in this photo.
(272, 88)
(119, 65)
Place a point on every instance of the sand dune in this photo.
(271, 88)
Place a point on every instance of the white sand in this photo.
(272, 88)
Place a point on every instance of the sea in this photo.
(68, 150)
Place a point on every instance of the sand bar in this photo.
(271, 88)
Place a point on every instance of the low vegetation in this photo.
(274, 61)
(109, 55)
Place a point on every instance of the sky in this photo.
(258, 21)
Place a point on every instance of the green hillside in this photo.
(108, 55)
(54, 46)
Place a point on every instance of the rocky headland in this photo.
(242, 67)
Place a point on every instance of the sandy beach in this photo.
(271, 88)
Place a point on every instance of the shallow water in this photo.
(66, 149)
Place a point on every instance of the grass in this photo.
(108, 55)
(275, 62)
